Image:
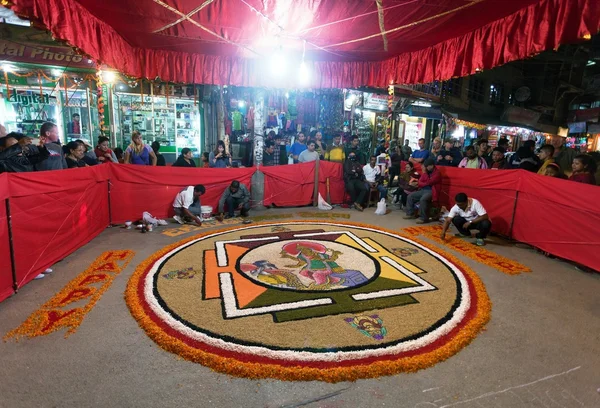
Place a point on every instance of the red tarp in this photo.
(135, 189)
(54, 213)
(228, 42)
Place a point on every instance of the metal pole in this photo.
(512, 221)
(11, 248)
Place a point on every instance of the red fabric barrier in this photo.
(135, 189)
(495, 189)
(6, 281)
(53, 214)
(335, 173)
(289, 186)
(560, 217)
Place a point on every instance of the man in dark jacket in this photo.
(354, 179)
(49, 138)
(449, 155)
(15, 158)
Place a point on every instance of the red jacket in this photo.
(434, 180)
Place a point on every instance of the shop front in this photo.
(170, 115)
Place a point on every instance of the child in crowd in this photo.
(408, 182)
(553, 170)
(584, 168)
(205, 162)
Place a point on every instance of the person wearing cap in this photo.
(430, 185)
(468, 214)
(449, 155)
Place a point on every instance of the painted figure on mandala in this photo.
(371, 326)
(266, 272)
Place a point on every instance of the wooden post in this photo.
(316, 190)
(11, 248)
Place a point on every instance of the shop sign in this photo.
(28, 98)
(425, 112)
(377, 102)
(584, 115)
(515, 114)
(16, 45)
(577, 127)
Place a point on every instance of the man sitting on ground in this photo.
(373, 177)
(468, 214)
(472, 160)
(421, 154)
(236, 196)
(430, 184)
(546, 156)
(354, 181)
(187, 205)
(310, 154)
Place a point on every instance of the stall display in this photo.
(187, 124)
(82, 103)
(26, 110)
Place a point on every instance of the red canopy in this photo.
(347, 43)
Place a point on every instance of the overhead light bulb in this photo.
(240, 104)
(108, 77)
(304, 73)
(56, 72)
(278, 65)
(357, 111)
(8, 68)
(287, 95)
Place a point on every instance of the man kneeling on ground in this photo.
(236, 196)
(187, 205)
(468, 214)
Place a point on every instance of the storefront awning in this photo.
(349, 43)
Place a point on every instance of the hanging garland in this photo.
(100, 94)
(390, 104)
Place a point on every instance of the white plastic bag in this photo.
(381, 207)
(324, 205)
(290, 160)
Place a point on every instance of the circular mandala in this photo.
(308, 300)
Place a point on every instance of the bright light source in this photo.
(357, 111)
(240, 104)
(278, 65)
(351, 98)
(287, 95)
(8, 68)
(108, 76)
(90, 61)
(304, 73)
(56, 72)
(590, 63)
(121, 87)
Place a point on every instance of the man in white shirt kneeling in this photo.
(187, 205)
(468, 214)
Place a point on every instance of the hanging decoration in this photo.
(390, 104)
(331, 110)
(100, 93)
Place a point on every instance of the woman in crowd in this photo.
(75, 153)
(160, 159)
(407, 183)
(584, 168)
(120, 155)
(219, 158)
(138, 152)
(185, 159)
(205, 161)
(103, 152)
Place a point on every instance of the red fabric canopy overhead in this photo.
(348, 43)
